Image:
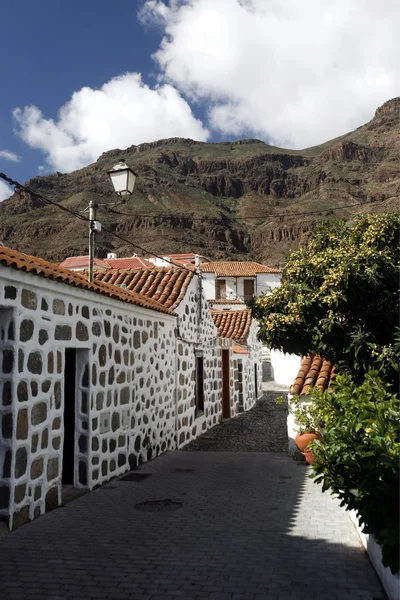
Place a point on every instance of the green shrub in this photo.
(358, 457)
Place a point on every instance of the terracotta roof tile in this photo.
(234, 324)
(239, 349)
(132, 262)
(313, 372)
(43, 268)
(222, 301)
(166, 285)
(237, 269)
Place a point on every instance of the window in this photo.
(221, 289)
(199, 383)
(248, 288)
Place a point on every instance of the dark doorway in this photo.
(199, 385)
(69, 416)
(248, 288)
(226, 399)
(255, 382)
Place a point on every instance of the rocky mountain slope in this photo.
(241, 200)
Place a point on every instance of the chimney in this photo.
(111, 255)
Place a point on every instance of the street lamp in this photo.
(123, 180)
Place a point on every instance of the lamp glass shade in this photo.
(123, 179)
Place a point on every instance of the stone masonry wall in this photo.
(124, 389)
(197, 333)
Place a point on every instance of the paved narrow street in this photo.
(209, 525)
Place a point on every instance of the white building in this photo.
(227, 281)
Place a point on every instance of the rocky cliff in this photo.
(240, 200)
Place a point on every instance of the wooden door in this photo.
(226, 397)
(221, 289)
(248, 288)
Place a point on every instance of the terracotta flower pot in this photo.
(302, 440)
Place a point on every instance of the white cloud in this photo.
(124, 111)
(5, 191)
(9, 155)
(297, 73)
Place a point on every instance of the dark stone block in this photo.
(34, 442)
(26, 330)
(95, 444)
(10, 292)
(117, 357)
(57, 394)
(37, 468)
(85, 312)
(136, 340)
(104, 445)
(145, 337)
(20, 361)
(6, 394)
(63, 332)
(58, 307)
(35, 363)
(22, 424)
(19, 493)
(111, 375)
(113, 465)
(94, 375)
(102, 379)
(121, 460)
(52, 469)
(138, 443)
(50, 362)
(44, 305)
(7, 426)
(59, 362)
(95, 423)
(34, 388)
(82, 442)
(29, 299)
(70, 309)
(96, 329)
(45, 439)
(121, 441)
(21, 462)
(115, 421)
(113, 445)
(39, 413)
(102, 355)
(46, 386)
(133, 462)
(81, 332)
(121, 377)
(104, 468)
(20, 517)
(125, 395)
(107, 328)
(8, 360)
(82, 473)
(99, 400)
(56, 443)
(4, 496)
(116, 334)
(51, 500)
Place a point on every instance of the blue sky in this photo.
(88, 76)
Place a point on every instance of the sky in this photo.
(82, 77)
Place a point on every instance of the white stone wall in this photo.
(266, 282)
(197, 333)
(125, 388)
(284, 367)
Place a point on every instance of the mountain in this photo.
(197, 196)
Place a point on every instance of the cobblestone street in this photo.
(239, 525)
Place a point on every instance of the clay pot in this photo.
(302, 440)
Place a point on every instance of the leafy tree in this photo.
(339, 297)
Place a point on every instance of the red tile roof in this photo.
(43, 268)
(313, 372)
(239, 349)
(167, 285)
(224, 301)
(234, 324)
(237, 269)
(81, 261)
(133, 262)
